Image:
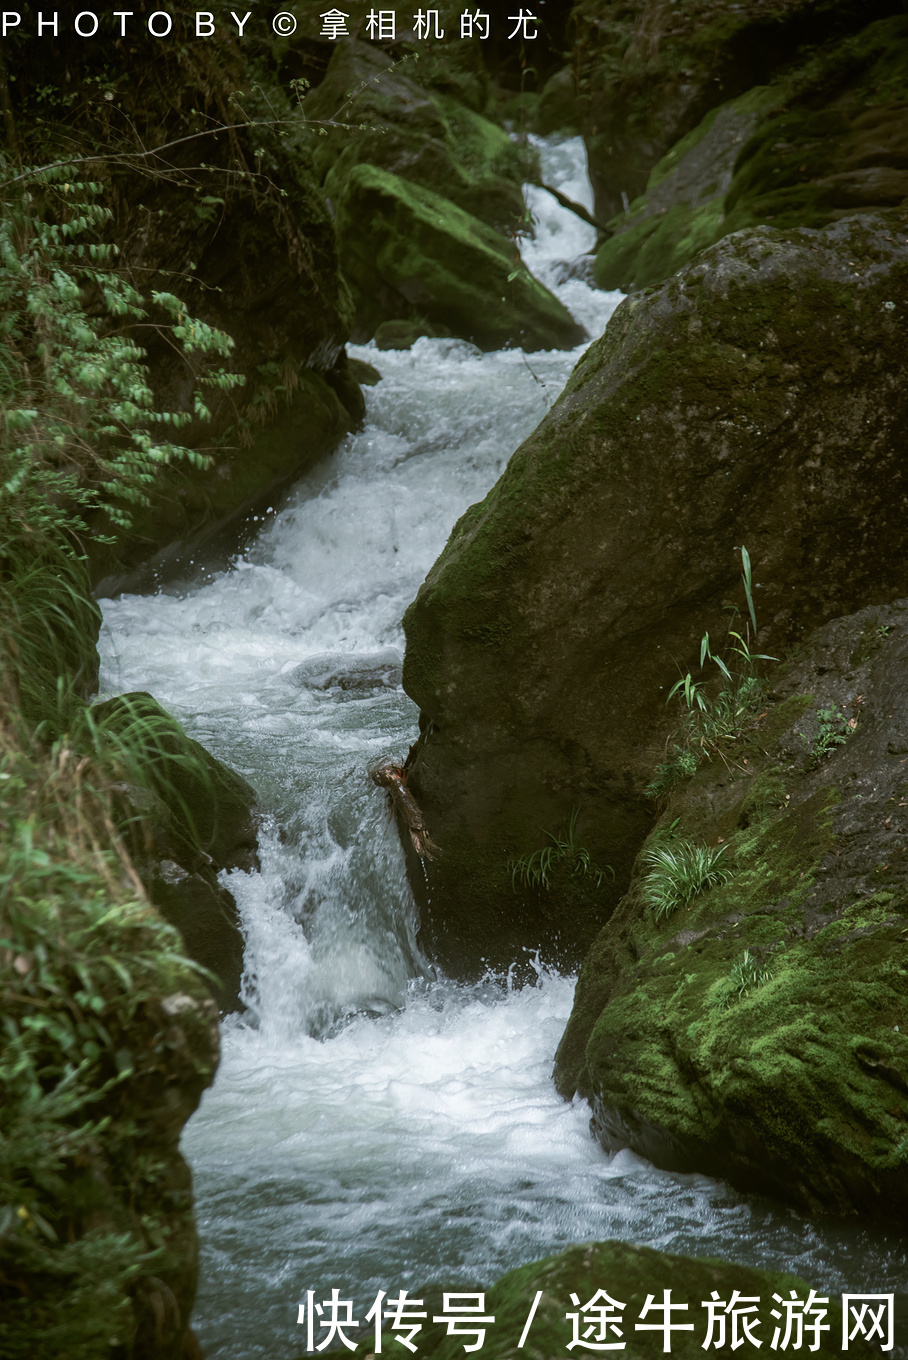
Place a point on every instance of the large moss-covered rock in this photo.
(647, 74)
(378, 112)
(187, 817)
(758, 1031)
(682, 210)
(758, 397)
(409, 252)
(628, 1275)
(826, 139)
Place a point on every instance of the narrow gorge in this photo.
(537, 432)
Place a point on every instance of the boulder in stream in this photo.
(377, 111)
(407, 252)
(349, 670)
(758, 398)
(757, 1029)
(826, 138)
(187, 816)
(571, 1287)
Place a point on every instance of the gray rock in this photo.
(349, 671)
(757, 398)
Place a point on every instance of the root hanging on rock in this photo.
(394, 779)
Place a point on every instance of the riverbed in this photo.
(375, 1125)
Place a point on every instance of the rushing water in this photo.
(372, 1125)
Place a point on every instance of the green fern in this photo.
(80, 430)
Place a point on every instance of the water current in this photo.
(374, 1125)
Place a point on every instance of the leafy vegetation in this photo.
(80, 430)
(833, 729)
(678, 871)
(98, 1072)
(86, 968)
(712, 721)
(748, 973)
(535, 870)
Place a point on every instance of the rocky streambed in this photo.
(375, 1125)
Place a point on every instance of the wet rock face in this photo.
(758, 1032)
(828, 137)
(408, 251)
(192, 818)
(757, 398)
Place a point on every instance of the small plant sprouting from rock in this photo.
(710, 724)
(535, 870)
(678, 872)
(747, 974)
(681, 765)
(833, 729)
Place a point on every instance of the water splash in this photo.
(373, 1126)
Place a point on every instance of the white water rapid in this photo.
(373, 1126)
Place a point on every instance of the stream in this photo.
(375, 1125)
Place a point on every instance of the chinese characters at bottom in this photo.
(603, 1323)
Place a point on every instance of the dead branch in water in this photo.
(394, 779)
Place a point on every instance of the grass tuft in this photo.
(535, 870)
(678, 872)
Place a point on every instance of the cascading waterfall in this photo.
(375, 1126)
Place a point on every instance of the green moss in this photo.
(628, 1274)
(767, 1036)
(443, 263)
(385, 114)
(614, 262)
(108, 1040)
(670, 161)
(829, 137)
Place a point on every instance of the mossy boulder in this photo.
(409, 253)
(379, 112)
(187, 816)
(682, 210)
(758, 1032)
(647, 76)
(758, 397)
(557, 109)
(628, 1275)
(826, 139)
